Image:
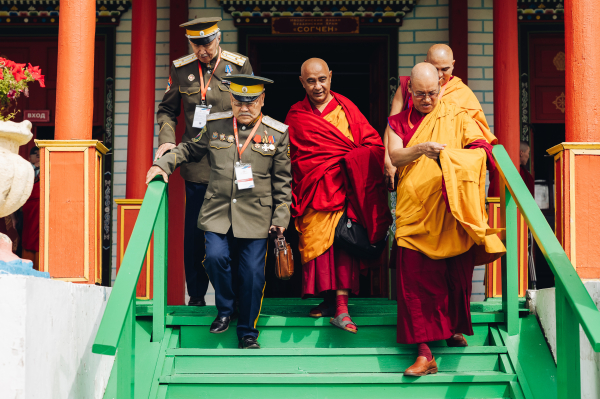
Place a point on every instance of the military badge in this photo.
(228, 69)
(215, 135)
(257, 146)
(271, 147)
(222, 136)
(256, 139)
(288, 151)
(265, 147)
(191, 77)
(168, 85)
(230, 138)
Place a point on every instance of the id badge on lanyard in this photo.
(243, 176)
(200, 115)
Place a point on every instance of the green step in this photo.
(341, 386)
(325, 336)
(350, 360)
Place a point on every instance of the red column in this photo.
(178, 47)
(459, 37)
(582, 71)
(506, 78)
(75, 70)
(140, 135)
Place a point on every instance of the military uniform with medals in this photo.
(184, 86)
(239, 208)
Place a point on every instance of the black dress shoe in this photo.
(196, 301)
(248, 342)
(220, 325)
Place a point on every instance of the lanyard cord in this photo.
(203, 88)
(237, 141)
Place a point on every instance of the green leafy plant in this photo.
(14, 79)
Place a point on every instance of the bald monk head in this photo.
(441, 57)
(425, 87)
(315, 77)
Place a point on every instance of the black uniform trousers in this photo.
(193, 241)
(237, 266)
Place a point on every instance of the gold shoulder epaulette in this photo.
(237, 59)
(184, 60)
(281, 127)
(219, 115)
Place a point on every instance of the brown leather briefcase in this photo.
(284, 260)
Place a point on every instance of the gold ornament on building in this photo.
(559, 61)
(559, 102)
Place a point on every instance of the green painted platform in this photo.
(303, 357)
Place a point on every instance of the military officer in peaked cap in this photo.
(200, 80)
(248, 196)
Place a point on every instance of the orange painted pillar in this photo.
(75, 70)
(71, 165)
(140, 133)
(506, 78)
(178, 47)
(577, 161)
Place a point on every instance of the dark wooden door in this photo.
(547, 77)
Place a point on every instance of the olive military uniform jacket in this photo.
(184, 83)
(248, 212)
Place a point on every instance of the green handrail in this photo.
(117, 327)
(574, 305)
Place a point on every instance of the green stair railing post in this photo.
(160, 271)
(568, 363)
(574, 305)
(126, 355)
(510, 267)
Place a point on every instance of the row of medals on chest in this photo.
(266, 142)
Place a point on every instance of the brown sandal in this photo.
(322, 310)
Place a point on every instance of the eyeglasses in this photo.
(420, 96)
(247, 104)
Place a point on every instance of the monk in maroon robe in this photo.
(337, 167)
(436, 253)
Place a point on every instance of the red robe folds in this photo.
(318, 151)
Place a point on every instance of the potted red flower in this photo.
(16, 174)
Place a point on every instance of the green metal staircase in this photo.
(167, 351)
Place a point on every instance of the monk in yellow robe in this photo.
(337, 168)
(441, 223)
(453, 90)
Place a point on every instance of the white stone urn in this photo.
(16, 174)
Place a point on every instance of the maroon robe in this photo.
(335, 269)
(528, 179)
(433, 295)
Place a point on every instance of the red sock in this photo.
(342, 307)
(424, 350)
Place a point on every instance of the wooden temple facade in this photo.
(531, 64)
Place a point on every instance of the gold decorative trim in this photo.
(492, 200)
(72, 143)
(573, 146)
(124, 201)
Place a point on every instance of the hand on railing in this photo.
(155, 171)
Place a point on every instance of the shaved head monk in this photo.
(441, 224)
(337, 171)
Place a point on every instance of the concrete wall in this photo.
(543, 304)
(47, 331)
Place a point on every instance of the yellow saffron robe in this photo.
(455, 91)
(422, 221)
(317, 228)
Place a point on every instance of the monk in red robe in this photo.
(441, 225)
(337, 167)
(524, 154)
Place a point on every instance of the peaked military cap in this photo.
(201, 31)
(247, 88)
